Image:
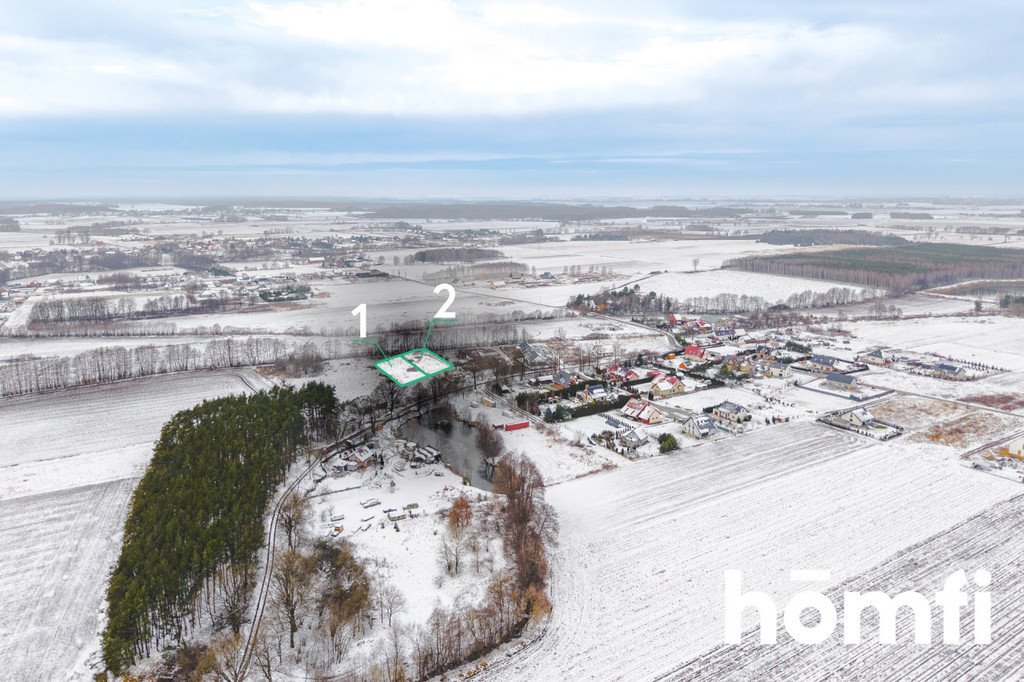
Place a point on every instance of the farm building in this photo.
(840, 381)
(699, 426)
(731, 411)
(642, 411)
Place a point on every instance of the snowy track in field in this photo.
(637, 582)
(990, 540)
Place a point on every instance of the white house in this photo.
(699, 426)
(732, 412)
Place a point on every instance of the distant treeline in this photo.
(810, 237)
(53, 208)
(453, 255)
(104, 308)
(197, 516)
(9, 225)
(907, 215)
(629, 301)
(488, 270)
(74, 260)
(513, 210)
(106, 364)
(601, 237)
(898, 269)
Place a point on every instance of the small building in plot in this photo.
(562, 379)
(731, 411)
(699, 426)
(840, 381)
(642, 411)
(667, 386)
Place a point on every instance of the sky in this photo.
(490, 99)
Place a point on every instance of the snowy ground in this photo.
(991, 541)
(98, 433)
(58, 548)
(637, 581)
(772, 288)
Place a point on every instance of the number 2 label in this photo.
(443, 313)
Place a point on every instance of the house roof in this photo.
(862, 414)
(837, 378)
(949, 369)
(822, 360)
(731, 407)
(779, 365)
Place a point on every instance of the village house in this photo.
(633, 438)
(778, 370)
(840, 381)
(859, 418)
(731, 411)
(594, 392)
(875, 357)
(667, 386)
(821, 363)
(737, 363)
(946, 371)
(642, 411)
(562, 379)
(694, 352)
(699, 426)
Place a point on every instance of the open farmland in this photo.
(644, 548)
(58, 547)
(772, 288)
(98, 433)
(990, 540)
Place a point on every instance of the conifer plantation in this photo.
(196, 520)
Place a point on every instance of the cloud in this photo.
(443, 58)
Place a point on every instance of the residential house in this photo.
(642, 411)
(946, 371)
(731, 411)
(840, 381)
(562, 379)
(778, 370)
(821, 363)
(737, 363)
(860, 417)
(694, 352)
(667, 386)
(875, 357)
(699, 426)
(633, 438)
(594, 392)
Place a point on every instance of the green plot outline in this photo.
(403, 357)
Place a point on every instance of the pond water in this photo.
(455, 441)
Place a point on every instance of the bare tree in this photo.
(293, 576)
(296, 512)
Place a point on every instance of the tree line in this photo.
(196, 518)
(116, 363)
(899, 269)
(106, 308)
(453, 254)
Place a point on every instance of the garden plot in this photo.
(57, 550)
(638, 578)
(990, 540)
(98, 433)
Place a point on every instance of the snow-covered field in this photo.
(772, 288)
(997, 341)
(98, 433)
(991, 541)
(57, 549)
(638, 579)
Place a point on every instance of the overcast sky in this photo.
(420, 98)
